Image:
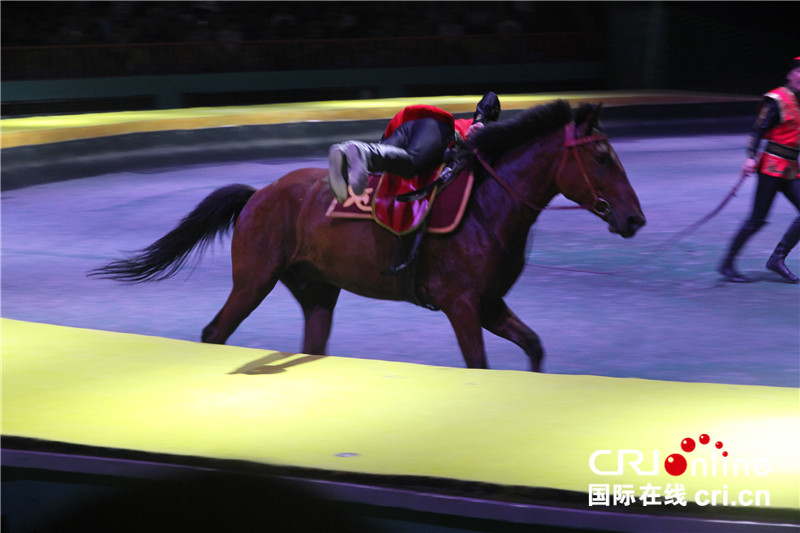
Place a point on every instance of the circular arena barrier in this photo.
(504, 446)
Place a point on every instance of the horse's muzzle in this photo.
(627, 227)
(632, 224)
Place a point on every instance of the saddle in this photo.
(404, 206)
(433, 203)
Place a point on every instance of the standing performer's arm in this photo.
(769, 116)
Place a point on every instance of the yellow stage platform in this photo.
(375, 418)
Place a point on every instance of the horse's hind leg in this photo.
(317, 300)
(497, 318)
(242, 301)
(253, 279)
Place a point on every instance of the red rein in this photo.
(599, 205)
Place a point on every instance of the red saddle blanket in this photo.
(443, 207)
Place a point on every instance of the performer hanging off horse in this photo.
(282, 233)
(416, 142)
(413, 144)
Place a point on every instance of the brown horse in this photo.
(281, 232)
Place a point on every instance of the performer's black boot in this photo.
(776, 260)
(350, 162)
(727, 268)
(363, 158)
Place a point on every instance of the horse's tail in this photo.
(215, 215)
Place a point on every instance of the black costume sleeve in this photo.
(769, 116)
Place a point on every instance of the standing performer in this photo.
(414, 143)
(779, 123)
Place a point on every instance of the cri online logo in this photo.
(676, 463)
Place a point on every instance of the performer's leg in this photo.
(765, 194)
(363, 158)
(337, 171)
(350, 162)
(789, 240)
(426, 141)
(415, 147)
(727, 267)
(791, 190)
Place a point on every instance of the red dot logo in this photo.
(719, 447)
(675, 465)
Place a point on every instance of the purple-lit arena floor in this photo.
(602, 305)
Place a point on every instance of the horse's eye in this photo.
(602, 159)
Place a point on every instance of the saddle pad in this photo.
(378, 203)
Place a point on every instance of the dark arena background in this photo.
(669, 398)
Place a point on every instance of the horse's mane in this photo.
(497, 138)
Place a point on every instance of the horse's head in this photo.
(591, 174)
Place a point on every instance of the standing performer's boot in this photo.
(788, 241)
(350, 163)
(727, 268)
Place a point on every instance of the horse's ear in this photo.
(592, 120)
(596, 115)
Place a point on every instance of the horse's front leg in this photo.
(497, 318)
(464, 317)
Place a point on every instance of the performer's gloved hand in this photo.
(749, 166)
(474, 127)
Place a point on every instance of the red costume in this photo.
(414, 143)
(416, 112)
(780, 156)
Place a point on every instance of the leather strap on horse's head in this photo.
(599, 206)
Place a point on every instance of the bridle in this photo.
(599, 206)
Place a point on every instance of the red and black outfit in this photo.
(414, 143)
(778, 123)
(423, 132)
